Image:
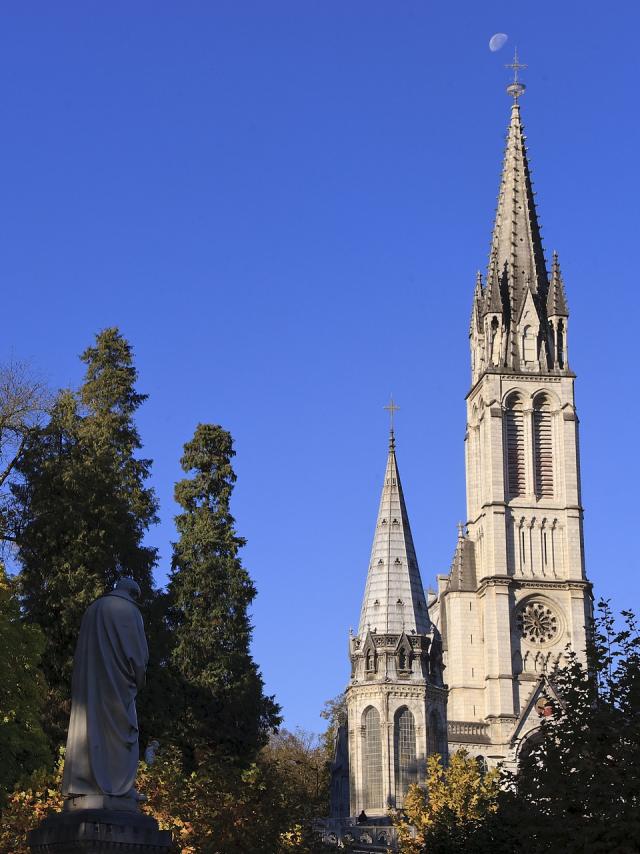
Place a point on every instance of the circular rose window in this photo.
(538, 623)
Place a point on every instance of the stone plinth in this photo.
(99, 830)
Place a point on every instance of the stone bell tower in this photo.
(517, 592)
(396, 702)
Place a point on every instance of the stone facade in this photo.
(517, 592)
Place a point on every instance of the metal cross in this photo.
(517, 66)
(392, 409)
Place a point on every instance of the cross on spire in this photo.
(391, 409)
(516, 88)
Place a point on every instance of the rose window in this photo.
(537, 623)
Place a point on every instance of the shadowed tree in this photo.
(210, 593)
(84, 508)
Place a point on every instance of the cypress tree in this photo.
(84, 509)
(210, 593)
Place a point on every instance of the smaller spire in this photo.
(462, 575)
(556, 298)
(493, 301)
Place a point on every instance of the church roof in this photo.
(516, 240)
(394, 598)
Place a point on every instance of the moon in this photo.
(497, 41)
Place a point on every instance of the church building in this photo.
(470, 666)
(517, 593)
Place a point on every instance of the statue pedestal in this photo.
(87, 828)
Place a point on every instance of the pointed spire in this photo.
(462, 575)
(394, 598)
(477, 307)
(556, 299)
(516, 236)
(493, 300)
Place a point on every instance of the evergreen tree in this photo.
(23, 744)
(84, 509)
(210, 593)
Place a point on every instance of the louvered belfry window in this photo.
(405, 753)
(514, 432)
(543, 447)
(372, 765)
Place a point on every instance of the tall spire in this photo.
(394, 599)
(516, 240)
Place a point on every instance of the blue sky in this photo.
(283, 205)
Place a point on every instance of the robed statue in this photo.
(101, 808)
(339, 792)
(108, 671)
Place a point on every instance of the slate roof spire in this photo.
(394, 599)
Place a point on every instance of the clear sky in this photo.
(283, 204)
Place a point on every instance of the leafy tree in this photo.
(23, 744)
(23, 404)
(84, 509)
(578, 786)
(38, 795)
(302, 763)
(448, 811)
(210, 593)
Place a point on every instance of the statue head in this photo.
(129, 585)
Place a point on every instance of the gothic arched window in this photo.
(372, 764)
(405, 752)
(543, 447)
(514, 441)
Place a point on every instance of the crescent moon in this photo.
(497, 41)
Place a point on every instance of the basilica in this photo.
(471, 664)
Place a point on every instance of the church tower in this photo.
(396, 702)
(517, 592)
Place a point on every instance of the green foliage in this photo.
(23, 744)
(83, 509)
(578, 787)
(445, 815)
(210, 593)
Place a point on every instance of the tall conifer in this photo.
(210, 593)
(84, 508)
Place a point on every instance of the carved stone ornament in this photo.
(538, 623)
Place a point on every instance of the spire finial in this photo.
(516, 89)
(460, 530)
(392, 409)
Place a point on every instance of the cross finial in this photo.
(516, 88)
(391, 409)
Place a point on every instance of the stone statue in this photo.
(108, 671)
(101, 809)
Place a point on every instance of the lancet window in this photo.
(372, 764)
(514, 441)
(405, 752)
(543, 447)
